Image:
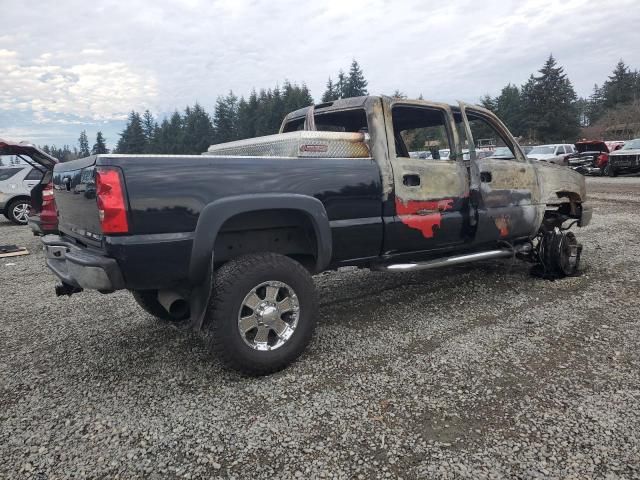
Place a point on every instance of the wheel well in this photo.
(13, 199)
(569, 206)
(284, 231)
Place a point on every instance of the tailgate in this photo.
(75, 194)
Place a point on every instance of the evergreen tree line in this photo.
(544, 109)
(547, 109)
(192, 131)
(66, 152)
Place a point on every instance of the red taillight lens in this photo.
(47, 196)
(112, 206)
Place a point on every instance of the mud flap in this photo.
(199, 298)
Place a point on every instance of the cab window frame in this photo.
(445, 123)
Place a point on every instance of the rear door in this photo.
(506, 189)
(431, 193)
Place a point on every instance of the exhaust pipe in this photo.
(449, 261)
(174, 303)
(66, 289)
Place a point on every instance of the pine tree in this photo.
(398, 94)
(595, 106)
(100, 146)
(330, 93)
(224, 118)
(149, 127)
(174, 134)
(246, 121)
(549, 105)
(341, 85)
(198, 130)
(83, 142)
(488, 102)
(355, 85)
(508, 107)
(132, 139)
(619, 88)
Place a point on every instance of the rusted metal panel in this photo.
(556, 181)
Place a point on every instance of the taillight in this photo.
(47, 195)
(112, 206)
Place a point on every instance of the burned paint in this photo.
(425, 216)
(502, 224)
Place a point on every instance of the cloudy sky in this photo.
(68, 65)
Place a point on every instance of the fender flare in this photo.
(216, 213)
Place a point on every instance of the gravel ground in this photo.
(477, 371)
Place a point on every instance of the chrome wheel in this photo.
(268, 315)
(21, 212)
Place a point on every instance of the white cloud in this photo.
(100, 60)
(95, 91)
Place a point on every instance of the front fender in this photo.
(215, 214)
(558, 184)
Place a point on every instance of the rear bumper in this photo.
(40, 226)
(81, 267)
(586, 170)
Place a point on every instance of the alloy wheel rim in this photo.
(21, 212)
(268, 315)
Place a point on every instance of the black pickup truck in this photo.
(227, 241)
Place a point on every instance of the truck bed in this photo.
(167, 193)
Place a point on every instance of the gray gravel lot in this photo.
(477, 371)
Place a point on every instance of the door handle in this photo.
(485, 177)
(411, 180)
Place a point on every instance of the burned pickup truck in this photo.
(227, 241)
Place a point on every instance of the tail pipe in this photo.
(174, 303)
(66, 289)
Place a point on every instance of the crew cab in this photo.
(226, 242)
(626, 159)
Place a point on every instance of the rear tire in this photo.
(148, 301)
(18, 211)
(262, 313)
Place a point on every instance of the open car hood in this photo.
(591, 146)
(24, 149)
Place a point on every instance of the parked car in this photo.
(15, 191)
(503, 153)
(30, 198)
(591, 157)
(526, 149)
(554, 153)
(626, 159)
(227, 241)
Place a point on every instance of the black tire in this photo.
(612, 171)
(232, 283)
(148, 301)
(10, 214)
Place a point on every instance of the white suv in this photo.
(15, 191)
(555, 153)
